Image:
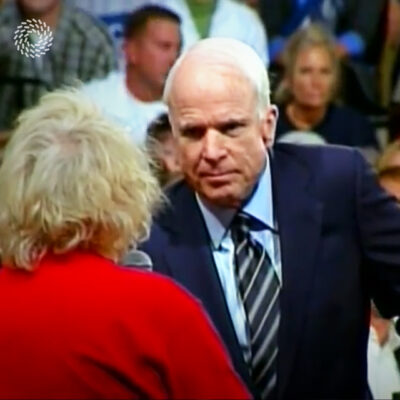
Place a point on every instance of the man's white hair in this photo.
(230, 52)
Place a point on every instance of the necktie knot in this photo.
(242, 224)
(241, 221)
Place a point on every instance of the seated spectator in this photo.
(357, 27)
(151, 46)
(200, 18)
(81, 50)
(384, 341)
(162, 148)
(383, 355)
(75, 193)
(306, 94)
(390, 158)
(388, 166)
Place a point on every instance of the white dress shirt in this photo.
(218, 220)
(383, 371)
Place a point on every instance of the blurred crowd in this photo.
(334, 67)
(328, 60)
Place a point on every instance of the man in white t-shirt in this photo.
(383, 357)
(384, 341)
(151, 45)
(228, 18)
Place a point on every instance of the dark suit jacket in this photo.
(340, 245)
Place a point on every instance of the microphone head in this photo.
(138, 259)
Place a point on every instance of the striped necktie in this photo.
(259, 291)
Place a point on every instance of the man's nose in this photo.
(213, 148)
(172, 55)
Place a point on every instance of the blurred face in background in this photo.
(313, 77)
(153, 51)
(392, 186)
(38, 7)
(393, 160)
(168, 156)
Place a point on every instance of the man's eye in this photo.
(304, 71)
(193, 132)
(230, 127)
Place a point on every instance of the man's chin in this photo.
(221, 197)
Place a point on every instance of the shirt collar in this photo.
(259, 206)
(393, 341)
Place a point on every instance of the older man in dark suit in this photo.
(284, 246)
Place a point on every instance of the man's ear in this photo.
(129, 50)
(269, 125)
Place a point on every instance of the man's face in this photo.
(153, 51)
(221, 139)
(392, 185)
(38, 7)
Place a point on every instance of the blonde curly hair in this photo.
(72, 179)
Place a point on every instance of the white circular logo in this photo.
(33, 38)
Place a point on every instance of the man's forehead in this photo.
(192, 79)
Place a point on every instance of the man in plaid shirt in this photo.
(81, 50)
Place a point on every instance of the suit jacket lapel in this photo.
(192, 264)
(299, 215)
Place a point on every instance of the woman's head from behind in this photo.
(71, 179)
(311, 67)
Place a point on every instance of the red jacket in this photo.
(81, 327)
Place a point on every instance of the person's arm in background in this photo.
(358, 25)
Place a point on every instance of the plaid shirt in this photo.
(82, 50)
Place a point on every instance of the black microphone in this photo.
(138, 259)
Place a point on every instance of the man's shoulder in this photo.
(313, 153)
(320, 160)
(107, 84)
(87, 26)
(240, 9)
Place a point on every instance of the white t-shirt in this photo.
(112, 96)
(383, 372)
